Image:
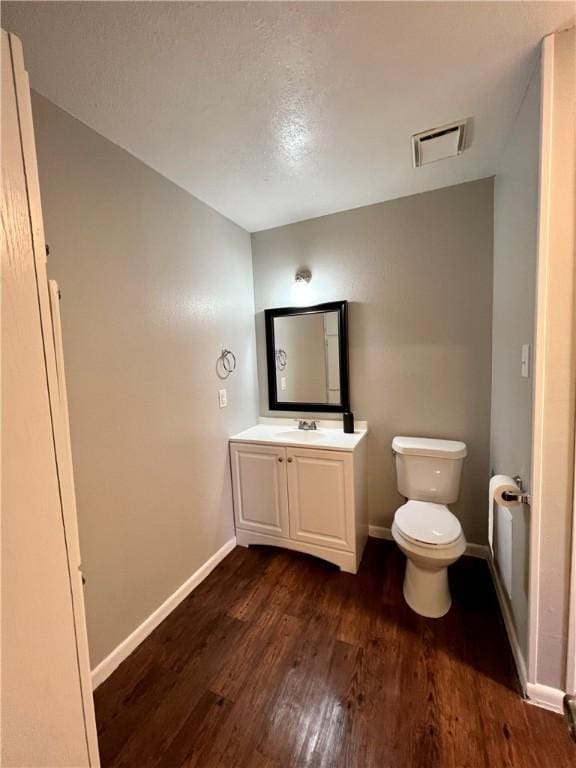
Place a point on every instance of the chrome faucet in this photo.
(307, 425)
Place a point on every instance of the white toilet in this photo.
(428, 475)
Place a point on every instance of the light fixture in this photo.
(303, 275)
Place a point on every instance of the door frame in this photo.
(571, 651)
(553, 467)
(56, 391)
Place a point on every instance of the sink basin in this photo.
(299, 435)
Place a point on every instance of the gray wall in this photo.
(418, 274)
(515, 255)
(153, 283)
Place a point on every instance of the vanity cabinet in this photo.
(307, 499)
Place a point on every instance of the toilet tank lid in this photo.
(426, 446)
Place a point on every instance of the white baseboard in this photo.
(544, 696)
(537, 694)
(473, 550)
(509, 625)
(478, 550)
(540, 695)
(380, 532)
(122, 651)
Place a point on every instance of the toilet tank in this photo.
(428, 469)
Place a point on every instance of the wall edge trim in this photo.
(546, 697)
(380, 532)
(549, 698)
(509, 625)
(105, 668)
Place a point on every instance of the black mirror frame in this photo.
(333, 306)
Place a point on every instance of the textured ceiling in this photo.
(276, 112)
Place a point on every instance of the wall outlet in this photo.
(525, 361)
(282, 383)
(222, 398)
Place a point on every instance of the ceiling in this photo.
(276, 112)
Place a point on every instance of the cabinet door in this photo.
(321, 501)
(260, 493)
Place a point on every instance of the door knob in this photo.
(280, 459)
(290, 460)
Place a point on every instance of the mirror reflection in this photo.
(307, 358)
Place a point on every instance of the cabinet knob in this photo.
(280, 459)
(290, 460)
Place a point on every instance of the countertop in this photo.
(328, 436)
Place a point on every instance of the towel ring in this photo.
(225, 364)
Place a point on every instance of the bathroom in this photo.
(199, 165)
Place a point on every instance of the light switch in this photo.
(222, 398)
(525, 366)
(283, 383)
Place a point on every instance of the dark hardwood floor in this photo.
(278, 659)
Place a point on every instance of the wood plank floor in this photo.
(278, 659)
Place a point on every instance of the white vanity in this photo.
(303, 490)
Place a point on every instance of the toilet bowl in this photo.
(431, 538)
(426, 531)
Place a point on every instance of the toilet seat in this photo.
(427, 524)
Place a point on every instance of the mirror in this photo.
(307, 358)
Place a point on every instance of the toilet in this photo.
(428, 476)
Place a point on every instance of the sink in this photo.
(299, 435)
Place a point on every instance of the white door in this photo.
(260, 493)
(321, 497)
(47, 713)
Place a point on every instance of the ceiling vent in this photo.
(438, 143)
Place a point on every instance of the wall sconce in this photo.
(303, 275)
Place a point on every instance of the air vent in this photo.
(438, 143)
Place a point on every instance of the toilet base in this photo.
(426, 590)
